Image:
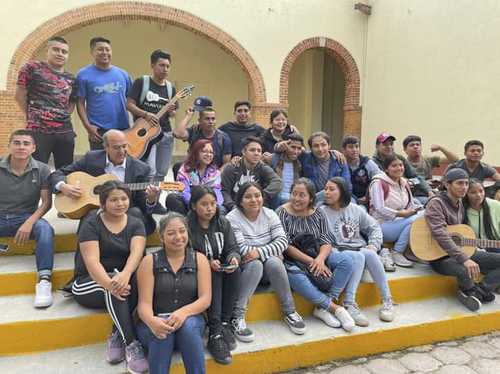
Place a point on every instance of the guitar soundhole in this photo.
(141, 132)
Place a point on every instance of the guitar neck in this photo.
(481, 243)
(164, 109)
(141, 185)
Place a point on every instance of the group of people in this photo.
(257, 208)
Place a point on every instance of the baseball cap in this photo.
(201, 102)
(384, 137)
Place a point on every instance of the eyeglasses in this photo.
(207, 152)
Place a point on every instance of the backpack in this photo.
(145, 88)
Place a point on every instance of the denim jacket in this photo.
(336, 169)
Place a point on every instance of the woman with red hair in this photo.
(198, 170)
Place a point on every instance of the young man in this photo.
(362, 169)
(24, 181)
(205, 129)
(148, 95)
(287, 166)
(113, 160)
(46, 94)
(474, 152)
(249, 169)
(102, 94)
(241, 128)
(321, 164)
(412, 145)
(445, 209)
(384, 147)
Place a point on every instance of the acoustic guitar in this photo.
(144, 132)
(77, 208)
(426, 248)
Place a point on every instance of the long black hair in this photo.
(489, 227)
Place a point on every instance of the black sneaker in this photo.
(219, 350)
(227, 334)
(295, 323)
(487, 295)
(470, 299)
(241, 331)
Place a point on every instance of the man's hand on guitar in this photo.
(71, 191)
(472, 269)
(152, 119)
(152, 193)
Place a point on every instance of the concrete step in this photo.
(276, 348)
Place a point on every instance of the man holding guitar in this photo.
(447, 209)
(149, 94)
(113, 160)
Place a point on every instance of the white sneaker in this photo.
(356, 314)
(327, 317)
(401, 260)
(345, 319)
(43, 294)
(386, 313)
(387, 261)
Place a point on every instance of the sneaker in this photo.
(345, 319)
(470, 299)
(228, 335)
(115, 348)
(136, 361)
(401, 260)
(356, 314)
(387, 261)
(241, 331)
(326, 317)
(486, 295)
(386, 313)
(296, 323)
(219, 350)
(43, 294)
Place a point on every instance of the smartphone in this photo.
(228, 267)
(164, 315)
(4, 248)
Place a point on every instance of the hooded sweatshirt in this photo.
(237, 132)
(234, 176)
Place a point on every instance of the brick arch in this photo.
(352, 109)
(124, 10)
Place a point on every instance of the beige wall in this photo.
(433, 69)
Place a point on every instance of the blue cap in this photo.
(201, 102)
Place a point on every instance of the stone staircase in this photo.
(68, 338)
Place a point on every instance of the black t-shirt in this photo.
(151, 103)
(114, 249)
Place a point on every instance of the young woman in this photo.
(212, 235)
(174, 291)
(483, 214)
(277, 132)
(198, 170)
(349, 225)
(261, 240)
(393, 206)
(299, 216)
(111, 246)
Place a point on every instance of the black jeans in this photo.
(225, 287)
(489, 264)
(62, 146)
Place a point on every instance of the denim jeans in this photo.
(42, 232)
(370, 259)
(160, 156)
(398, 231)
(188, 339)
(341, 266)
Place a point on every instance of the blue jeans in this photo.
(42, 232)
(398, 231)
(160, 156)
(341, 266)
(188, 339)
(370, 259)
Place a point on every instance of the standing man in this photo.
(241, 128)
(24, 181)
(102, 94)
(46, 94)
(149, 94)
(474, 152)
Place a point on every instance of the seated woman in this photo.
(212, 235)
(482, 213)
(393, 206)
(262, 240)
(111, 246)
(300, 217)
(174, 291)
(349, 225)
(198, 170)
(278, 131)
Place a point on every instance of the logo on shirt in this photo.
(110, 88)
(346, 228)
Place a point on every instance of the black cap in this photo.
(201, 103)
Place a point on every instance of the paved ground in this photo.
(475, 355)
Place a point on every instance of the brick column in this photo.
(261, 112)
(352, 122)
